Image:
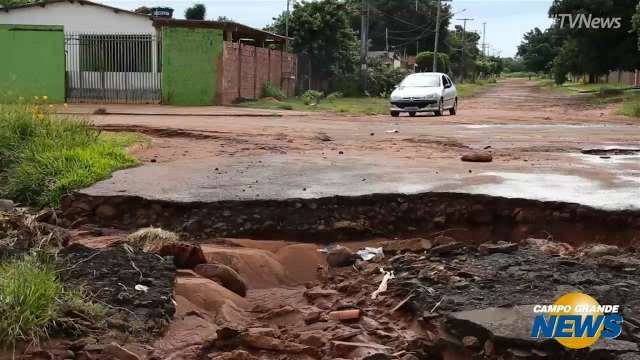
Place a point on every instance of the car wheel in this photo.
(454, 109)
(395, 113)
(412, 113)
(440, 108)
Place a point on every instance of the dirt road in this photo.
(213, 154)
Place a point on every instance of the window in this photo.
(116, 53)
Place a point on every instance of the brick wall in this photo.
(246, 68)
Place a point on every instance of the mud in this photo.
(481, 218)
(113, 277)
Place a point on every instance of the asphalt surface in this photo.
(215, 154)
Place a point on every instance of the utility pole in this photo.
(286, 25)
(364, 42)
(386, 39)
(435, 45)
(484, 33)
(417, 40)
(464, 44)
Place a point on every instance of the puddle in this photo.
(554, 187)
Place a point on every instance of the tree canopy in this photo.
(537, 50)
(196, 12)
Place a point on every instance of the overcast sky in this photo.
(506, 20)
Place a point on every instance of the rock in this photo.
(605, 346)
(269, 343)
(263, 331)
(479, 156)
(312, 339)
(105, 211)
(224, 275)
(312, 317)
(471, 342)
(598, 250)
(618, 262)
(377, 356)
(344, 348)
(318, 292)
(551, 248)
(120, 353)
(500, 247)
(504, 325)
(446, 248)
(340, 256)
(186, 256)
(6, 205)
(234, 355)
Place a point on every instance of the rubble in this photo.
(340, 256)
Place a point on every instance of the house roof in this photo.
(238, 30)
(44, 3)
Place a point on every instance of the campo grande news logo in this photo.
(577, 321)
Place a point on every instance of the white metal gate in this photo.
(113, 68)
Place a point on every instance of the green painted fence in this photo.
(32, 62)
(191, 59)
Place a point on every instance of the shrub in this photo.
(424, 61)
(312, 97)
(382, 78)
(269, 90)
(334, 95)
(43, 157)
(32, 300)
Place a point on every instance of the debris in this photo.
(477, 157)
(551, 248)
(340, 256)
(152, 239)
(471, 342)
(323, 137)
(401, 303)
(598, 250)
(224, 275)
(269, 343)
(345, 314)
(392, 131)
(139, 287)
(371, 253)
(185, 256)
(501, 247)
(384, 284)
(120, 353)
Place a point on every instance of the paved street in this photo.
(216, 153)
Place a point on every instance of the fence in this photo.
(247, 68)
(113, 68)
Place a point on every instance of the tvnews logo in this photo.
(587, 21)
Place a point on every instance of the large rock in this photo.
(6, 205)
(185, 256)
(223, 275)
(340, 256)
(479, 156)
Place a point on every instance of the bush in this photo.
(382, 78)
(424, 61)
(268, 90)
(43, 157)
(334, 95)
(32, 300)
(312, 97)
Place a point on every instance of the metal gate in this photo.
(113, 68)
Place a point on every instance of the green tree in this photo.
(512, 65)
(7, 3)
(196, 12)
(144, 10)
(537, 50)
(603, 49)
(321, 31)
(458, 39)
(424, 61)
(635, 20)
(403, 23)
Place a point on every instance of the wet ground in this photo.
(537, 141)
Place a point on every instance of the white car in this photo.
(424, 92)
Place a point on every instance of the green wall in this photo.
(32, 62)
(191, 58)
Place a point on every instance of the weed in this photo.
(43, 157)
(152, 239)
(269, 90)
(334, 95)
(312, 97)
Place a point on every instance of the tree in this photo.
(512, 65)
(143, 10)
(635, 20)
(7, 3)
(321, 31)
(196, 12)
(537, 50)
(599, 50)
(424, 61)
(455, 46)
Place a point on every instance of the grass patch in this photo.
(43, 157)
(362, 105)
(470, 89)
(32, 300)
(631, 106)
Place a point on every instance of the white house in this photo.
(111, 54)
(78, 16)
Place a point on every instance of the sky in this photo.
(507, 20)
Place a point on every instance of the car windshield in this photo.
(421, 81)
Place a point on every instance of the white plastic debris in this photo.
(371, 253)
(388, 275)
(140, 287)
(392, 131)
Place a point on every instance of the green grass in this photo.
(631, 106)
(43, 157)
(581, 88)
(350, 105)
(32, 300)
